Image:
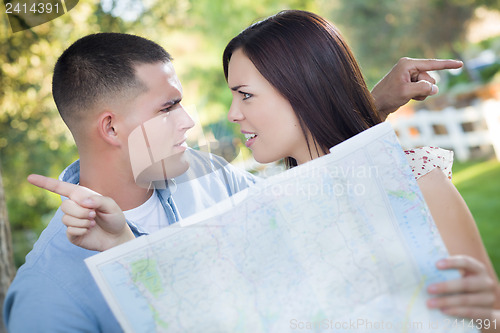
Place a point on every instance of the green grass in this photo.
(479, 184)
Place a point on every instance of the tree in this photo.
(381, 32)
(7, 269)
(33, 138)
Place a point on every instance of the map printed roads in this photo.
(342, 243)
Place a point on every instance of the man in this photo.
(107, 87)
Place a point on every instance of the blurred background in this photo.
(33, 138)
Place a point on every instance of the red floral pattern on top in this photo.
(425, 159)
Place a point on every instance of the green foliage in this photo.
(489, 72)
(381, 32)
(474, 182)
(33, 138)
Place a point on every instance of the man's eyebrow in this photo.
(238, 87)
(172, 102)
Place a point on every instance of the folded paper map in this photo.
(342, 243)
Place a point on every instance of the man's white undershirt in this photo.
(150, 216)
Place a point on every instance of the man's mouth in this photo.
(180, 143)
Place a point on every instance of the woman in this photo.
(297, 91)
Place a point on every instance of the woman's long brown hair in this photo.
(306, 59)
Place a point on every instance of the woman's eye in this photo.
(246, 96)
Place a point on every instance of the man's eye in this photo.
(170, 108)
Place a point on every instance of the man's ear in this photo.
(106, 127)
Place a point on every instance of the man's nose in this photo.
(186, 122)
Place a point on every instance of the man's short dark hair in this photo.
(98, 67)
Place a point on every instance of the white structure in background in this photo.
(460, 130)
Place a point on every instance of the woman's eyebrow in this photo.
(237, 87)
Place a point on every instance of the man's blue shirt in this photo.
(54, 291)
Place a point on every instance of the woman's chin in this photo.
(264, 159)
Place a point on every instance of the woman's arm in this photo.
(455, 222)
(472, 296)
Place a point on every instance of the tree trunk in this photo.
(7, 269)
(472, 74)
